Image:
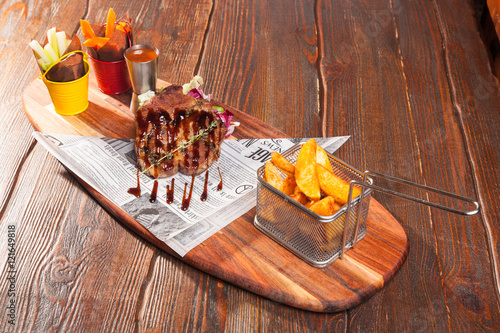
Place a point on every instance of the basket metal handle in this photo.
(363, 184)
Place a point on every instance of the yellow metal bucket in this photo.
(70, 98)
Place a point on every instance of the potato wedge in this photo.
(296, 190)
(334, 186)
(300, 197)
(272, 176)
(309, 203)
(305, 171)
(289, 185)
(324, 207)
(322, 158)
(282, 163)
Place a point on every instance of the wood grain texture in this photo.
(493, 9)
(88, 255)
(443, 141)
(357, 85)
(370, 118)
(381, 125)
(239, 253)
(111, 307)
(19, 23)
(475, 95)
(426, 146)
(274, 77)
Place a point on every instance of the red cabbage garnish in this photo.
(198, 93)
(223, 114)
(226, 116)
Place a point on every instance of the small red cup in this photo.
(112, 77)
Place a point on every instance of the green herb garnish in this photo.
(218, 109)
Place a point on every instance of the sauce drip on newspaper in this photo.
(204, 195)
(187, 201)
(219, 187)
(136, 191)
(152, 198)
(170, 192)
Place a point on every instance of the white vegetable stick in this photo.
(52, 40)
(51, 53)
(43, 64)
(40, 52)
(62, 42)
(51, 37)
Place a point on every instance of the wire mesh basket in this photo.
(318, 240)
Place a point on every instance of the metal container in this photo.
(320, 240)
(112, 77)
(316, 239)
(143, 75)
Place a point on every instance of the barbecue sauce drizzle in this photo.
(152, 198)
(204, 195)
(158, 127)
(187, 201)
(136, 191)
(219, 187)
(170, 192)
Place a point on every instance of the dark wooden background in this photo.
(410, 81)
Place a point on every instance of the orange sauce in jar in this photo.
(142, 55)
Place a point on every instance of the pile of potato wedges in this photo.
(310, 181)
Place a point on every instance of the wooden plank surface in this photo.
(240, 254)
(427, 146)
(441, 75)
(493, 10)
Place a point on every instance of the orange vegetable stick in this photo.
(122, 26)
(96, 42)
(87, 31)
(110, 23)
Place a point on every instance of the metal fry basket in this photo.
(320, 240)
(316, 239)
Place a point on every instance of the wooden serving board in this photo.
(239, 253)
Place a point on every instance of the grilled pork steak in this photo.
(176, 132)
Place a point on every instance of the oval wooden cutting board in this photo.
(239, 253)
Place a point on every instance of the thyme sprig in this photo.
(202, 134)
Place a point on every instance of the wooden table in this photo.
(408, 80)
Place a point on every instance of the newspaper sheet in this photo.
(109, 166)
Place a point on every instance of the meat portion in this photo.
(177, 133)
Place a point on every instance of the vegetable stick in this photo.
(110, 23)
(39, 51)
(62, 42)
(96, 42)
(53, 57)
(43, 64)
(52, 38)
(87, 30)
